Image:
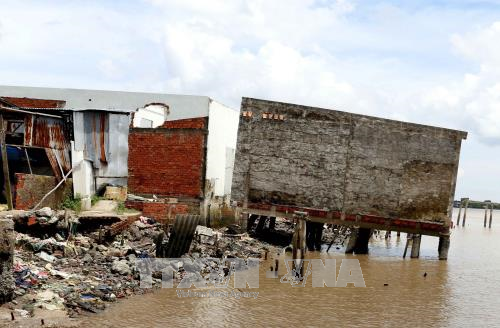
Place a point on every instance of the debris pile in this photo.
(59, 266)
(79, 274)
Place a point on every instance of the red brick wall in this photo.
(161, 212)
(167, 162)
(30, 189)
(35, 103)
(190, 123)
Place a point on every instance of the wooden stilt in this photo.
(408, 239)
(352, 241)
(491, 215)
(465, 211)
(299, 241)
(5, 163)
(415, 247)
(460, 211)
(485, 212)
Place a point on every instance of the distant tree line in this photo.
(476, 204)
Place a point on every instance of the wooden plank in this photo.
(5, 162)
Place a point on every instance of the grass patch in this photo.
(95, 199)
(72, 203)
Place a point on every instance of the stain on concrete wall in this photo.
(325, 159)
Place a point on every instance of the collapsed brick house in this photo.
(177, 148)
(48, 149)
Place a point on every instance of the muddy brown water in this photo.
(461, 292)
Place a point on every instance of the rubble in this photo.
(61, 269)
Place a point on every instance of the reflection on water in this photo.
(460, 292)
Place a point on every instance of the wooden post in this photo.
(491, 215)
(415, 247)
(28, 160)
(486, 203)
(460, 211)
(5, 163)
(299, 241)
(465, 211)
(444, 246)
(408, 239)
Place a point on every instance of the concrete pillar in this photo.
(261, 224)
(358, 242)
(299, 243)
(351, 244)
(444, 246)
(272, 223)
(250, 221)
(7, 283)
(415, 247)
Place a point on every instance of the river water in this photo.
(461, 292)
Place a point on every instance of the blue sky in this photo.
(431, 62)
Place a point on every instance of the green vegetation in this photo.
(120, 208)
(478, 204)
(72, 203)
(95, 199)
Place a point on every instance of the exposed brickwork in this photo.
(35, 103)
(30, 189)
(161, 212)
(190, 123)
(167, 161)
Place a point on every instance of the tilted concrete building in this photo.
(345, 168)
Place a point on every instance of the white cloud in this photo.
(251, 52)
(432, 64)
(475, 99)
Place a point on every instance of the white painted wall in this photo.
(83, 177)
(222, 134)
(151, 116)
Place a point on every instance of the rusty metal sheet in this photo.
(45, 132)
(53, 164)
(96, 129)
(28, 129)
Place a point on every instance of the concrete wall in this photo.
(325, 159)
(30, 189)
(223, 129)
(150, 116)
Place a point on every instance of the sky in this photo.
(430, 62)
